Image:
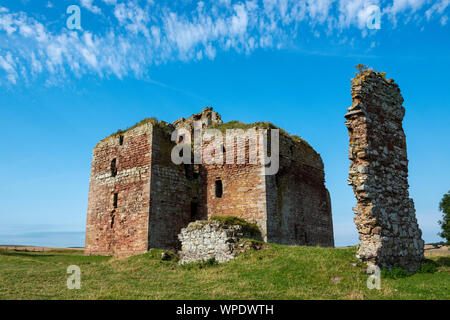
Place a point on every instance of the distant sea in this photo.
(45, 239)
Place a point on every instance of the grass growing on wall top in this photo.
(154, 121)
(251, 228)
(235, 124)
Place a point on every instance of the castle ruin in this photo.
(140, 199)
(384, 213)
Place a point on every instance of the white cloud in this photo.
(137, 34)
(88, 5)
(318, 9)
(239, 21)
(437, 8)
(402, 5)
(355, 12)
(7, 63)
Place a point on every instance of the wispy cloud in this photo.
(437, 8)
(88, 5)
(135, 35)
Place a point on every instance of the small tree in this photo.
(444, 206)
(361, 68)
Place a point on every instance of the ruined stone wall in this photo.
(172, 194)
(202, 240)
(243, 185)
(153, 199)
(207, 118)
(144, 199)
(119, 224)
(298, 204)
(384, 213)
(291, 207)
(243, 193)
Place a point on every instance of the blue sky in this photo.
(288, 62)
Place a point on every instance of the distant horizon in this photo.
(57, 239)
(50, 243)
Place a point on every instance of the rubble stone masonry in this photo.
(384, 213)
(119, 194)
(203, 240)
(139, 199)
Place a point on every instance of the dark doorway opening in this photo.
(194, 211)
(188, 171)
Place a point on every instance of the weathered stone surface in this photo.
(384, 215)
(207, 117)
(202, 240)
(120, 227)
(139, 199)
(290, 207)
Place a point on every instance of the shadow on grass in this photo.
(26, 254)
(48, 253)
(443, 261)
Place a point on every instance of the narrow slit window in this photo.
(120, 140)
(112, 221)
(194, 211)
(219, 189)
(115, 199)
(114, 167)
(188, 171)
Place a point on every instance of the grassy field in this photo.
(279, 272)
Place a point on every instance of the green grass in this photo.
(154, 121)
(235, 124)
(279, 272)
(251, 228)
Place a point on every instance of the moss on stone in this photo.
(152, 120)
(199, 224)
(166, 127)
(235, 124)
(364, 72)
(251, 228)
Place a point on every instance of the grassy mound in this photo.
(248, 227)
(279, 272)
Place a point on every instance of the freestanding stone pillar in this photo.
(384, 214)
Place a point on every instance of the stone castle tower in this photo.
(384, 214)
(139, 199)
